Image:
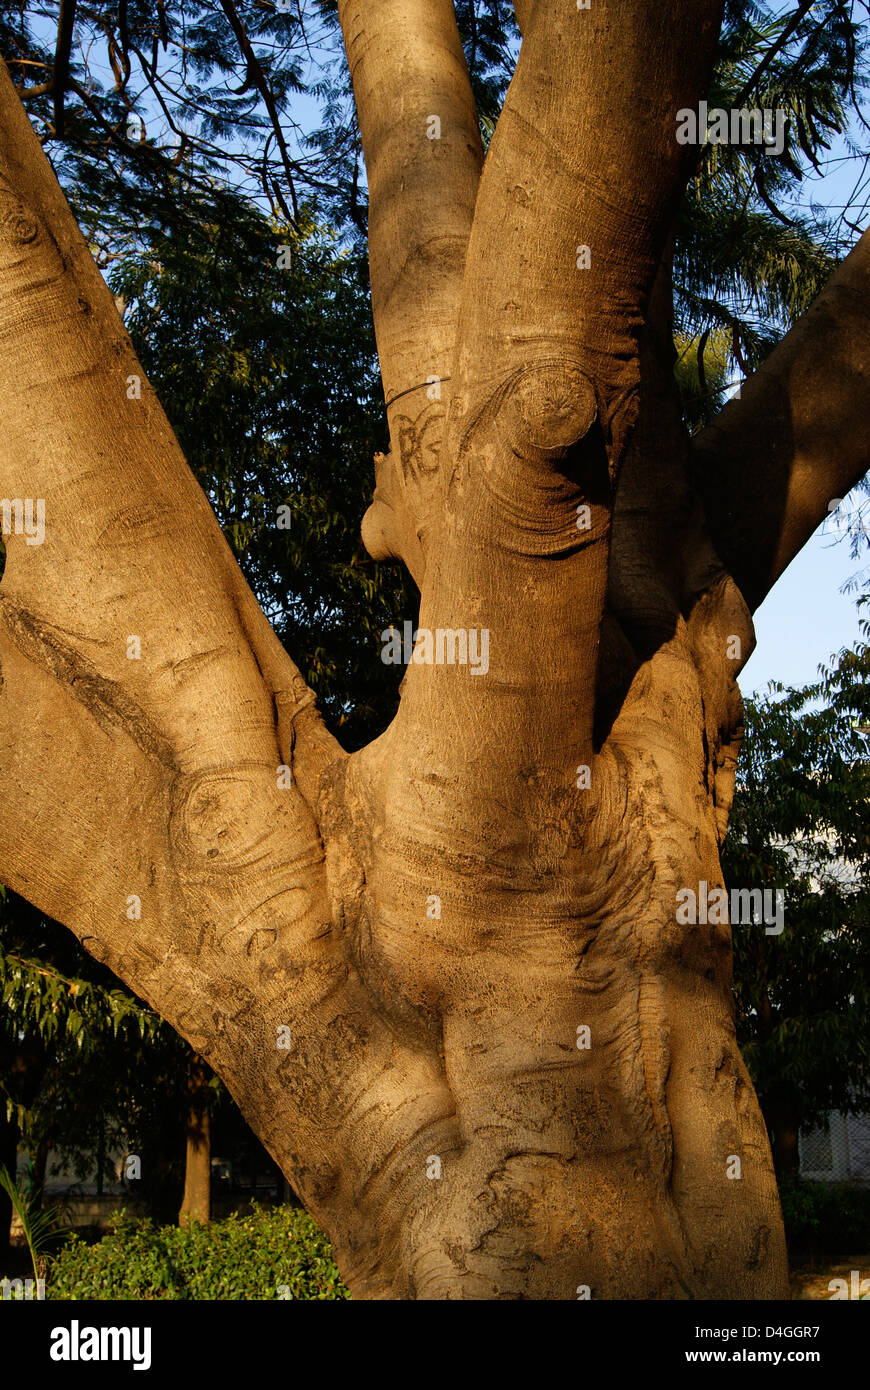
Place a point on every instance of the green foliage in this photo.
(85, 1068)
(800, 823)
(200, 94)
(825, 1218)
(751, 251)
(243, 1257)
(256, 99)
(702, 372)
(38, 1224)
(490, 39)
(53, 991)
(268, 374)
(56, 1006)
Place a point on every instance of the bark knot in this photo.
(540, 410)
(19, 224)
(549, 407)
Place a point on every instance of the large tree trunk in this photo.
(444, 977)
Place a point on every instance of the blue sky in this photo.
(805, 618)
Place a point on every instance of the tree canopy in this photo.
(800, 823)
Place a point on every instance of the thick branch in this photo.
(545, 384)
(423, 155)
(523, 14)
(585, 155)
(145, 706)
(60, 75)
(523, 10)
(797, 437)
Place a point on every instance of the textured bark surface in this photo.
(419, 1077)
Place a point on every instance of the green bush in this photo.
(825, 1218)
(271, 1253)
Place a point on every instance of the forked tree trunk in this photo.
(444, 977)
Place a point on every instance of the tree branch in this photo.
(146, 707)
(802, 10)
(257, 78)
(423, 156)
(148, 720)
(543, 389)
(60, 74)
(523, 10)
(546, 377)
(543, 196)
(797, 438)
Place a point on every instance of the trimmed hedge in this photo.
(272, 1253)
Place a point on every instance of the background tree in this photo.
(251, 354)
(66, 1032)
(799, 823)
(88, 1072)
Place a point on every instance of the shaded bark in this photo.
(796, 440)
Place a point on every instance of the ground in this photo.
(810, 1281)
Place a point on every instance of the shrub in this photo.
(825, 1218)
(241, 1257)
